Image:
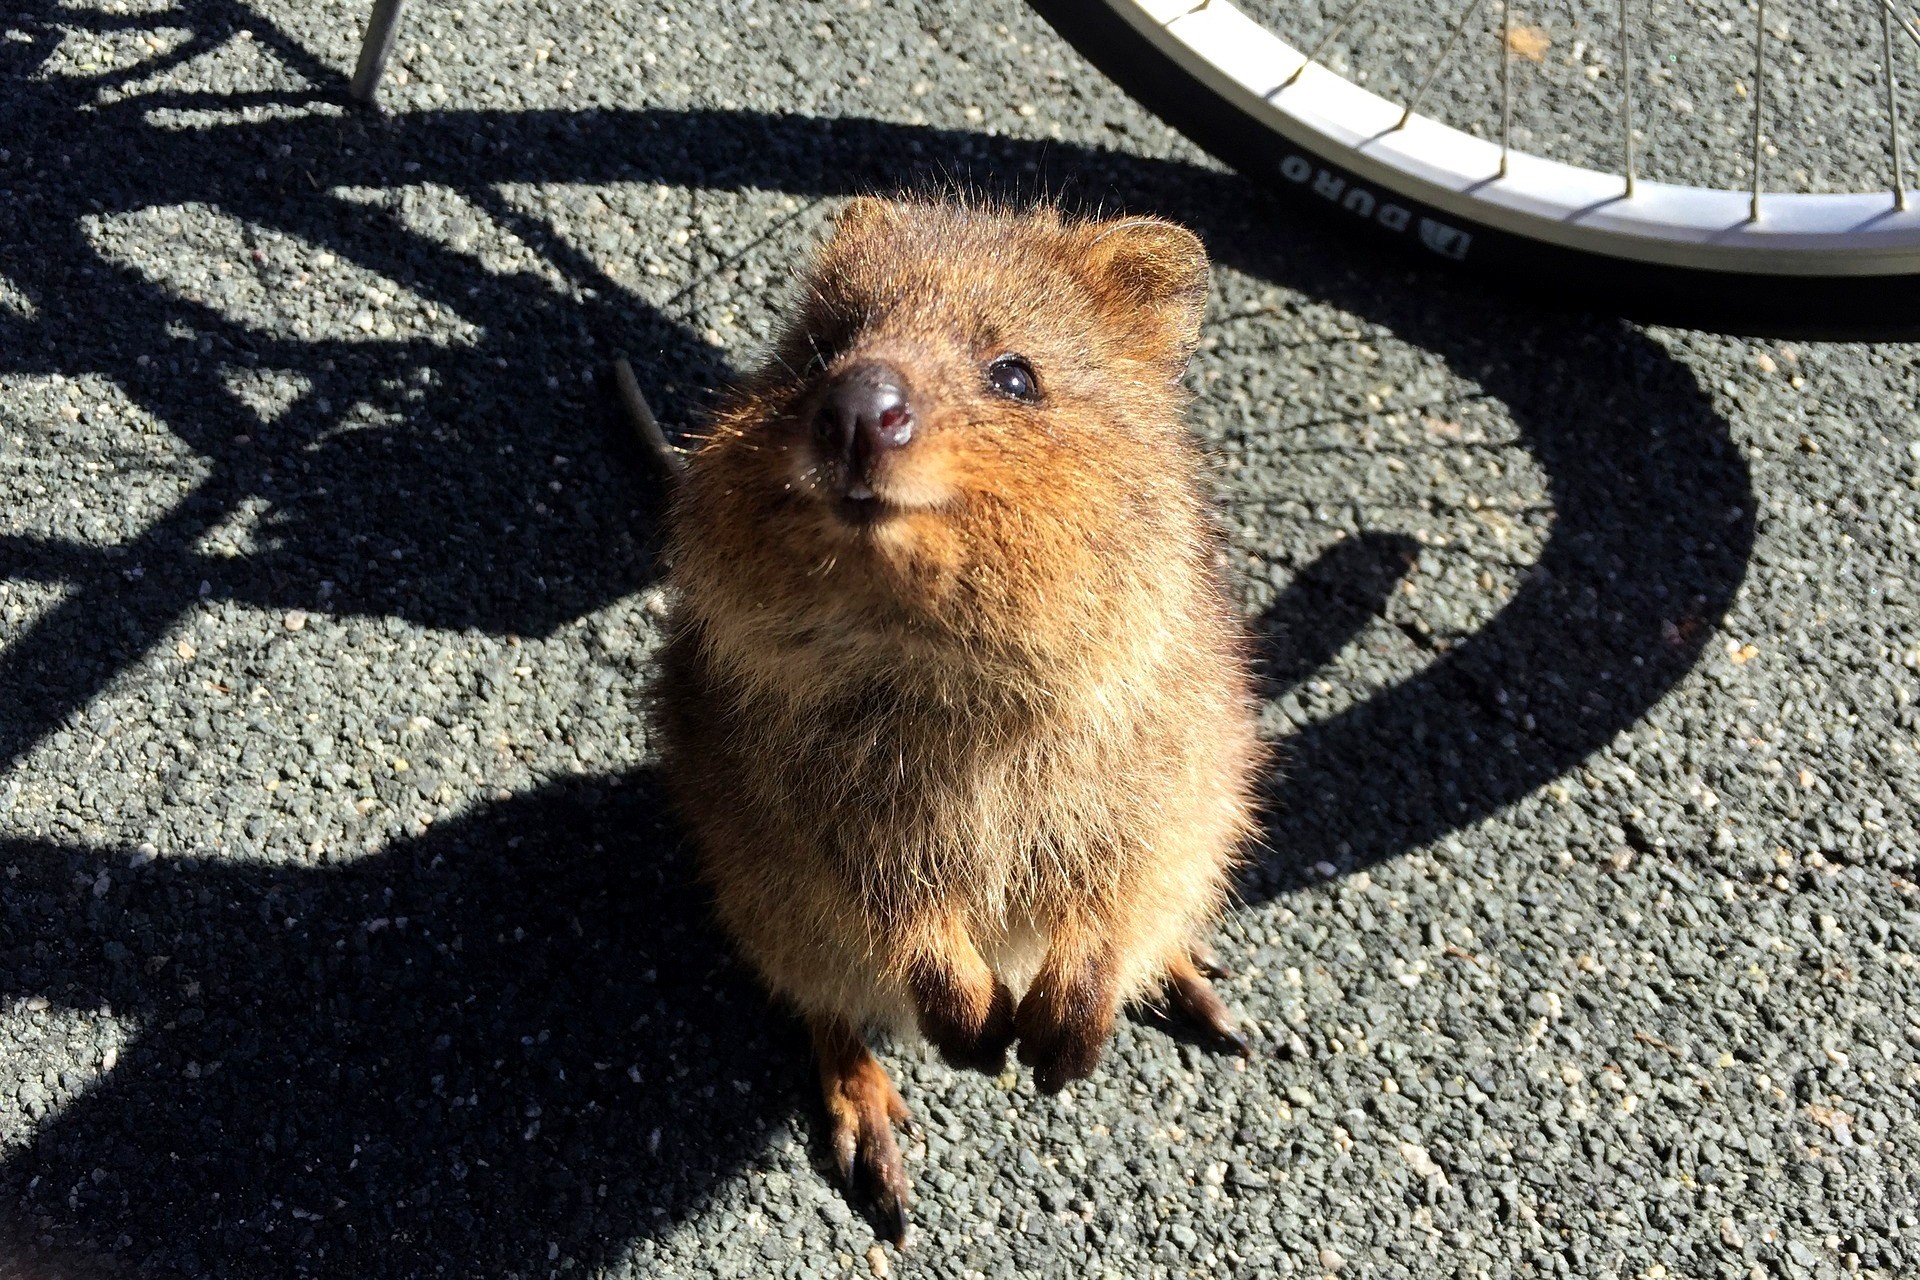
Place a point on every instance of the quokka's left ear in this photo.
(1156, 271)
(865, 215)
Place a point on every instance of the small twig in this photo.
(1658, 1043)
(670, 460)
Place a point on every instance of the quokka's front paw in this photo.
(1062, 1030)
(977, 1043)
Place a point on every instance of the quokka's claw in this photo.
(1194, 998)
(1207, 961)
(894, 1218)
(846, 1147)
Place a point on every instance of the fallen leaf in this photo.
(1420, 1161)
(1834, 1120)
(1529, 42)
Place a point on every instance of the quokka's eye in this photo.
(1012, 377)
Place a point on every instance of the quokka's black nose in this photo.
(865, 413)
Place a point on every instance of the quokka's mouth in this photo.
(859, 505)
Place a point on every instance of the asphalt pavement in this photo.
(342, 929)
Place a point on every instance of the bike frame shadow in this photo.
(551, 1056)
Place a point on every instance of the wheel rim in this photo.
(1388, 150)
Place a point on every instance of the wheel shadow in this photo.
(1653, 528)
(321, 1132)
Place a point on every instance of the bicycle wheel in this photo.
(1838, 265)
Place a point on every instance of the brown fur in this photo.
(981, 765)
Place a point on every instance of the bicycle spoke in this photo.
(1320, 46)
(1626, 98)
(1906, 21)
(1506, 90)
(1473, 7)
(1893, 104)
(1759, 72)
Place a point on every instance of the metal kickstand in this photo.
(374, 50)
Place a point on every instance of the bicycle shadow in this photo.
(1643, 558)
(409, 477)
(507, 1041)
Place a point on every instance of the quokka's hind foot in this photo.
(1190, 995)
(862, 1109)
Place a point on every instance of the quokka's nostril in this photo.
(896, 421)
(834, 427)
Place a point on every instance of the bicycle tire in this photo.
(1794, 292)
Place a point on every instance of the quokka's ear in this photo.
(862, 215)
(1157, 270)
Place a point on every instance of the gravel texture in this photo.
(341, 930)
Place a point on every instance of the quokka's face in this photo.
(963, 392)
